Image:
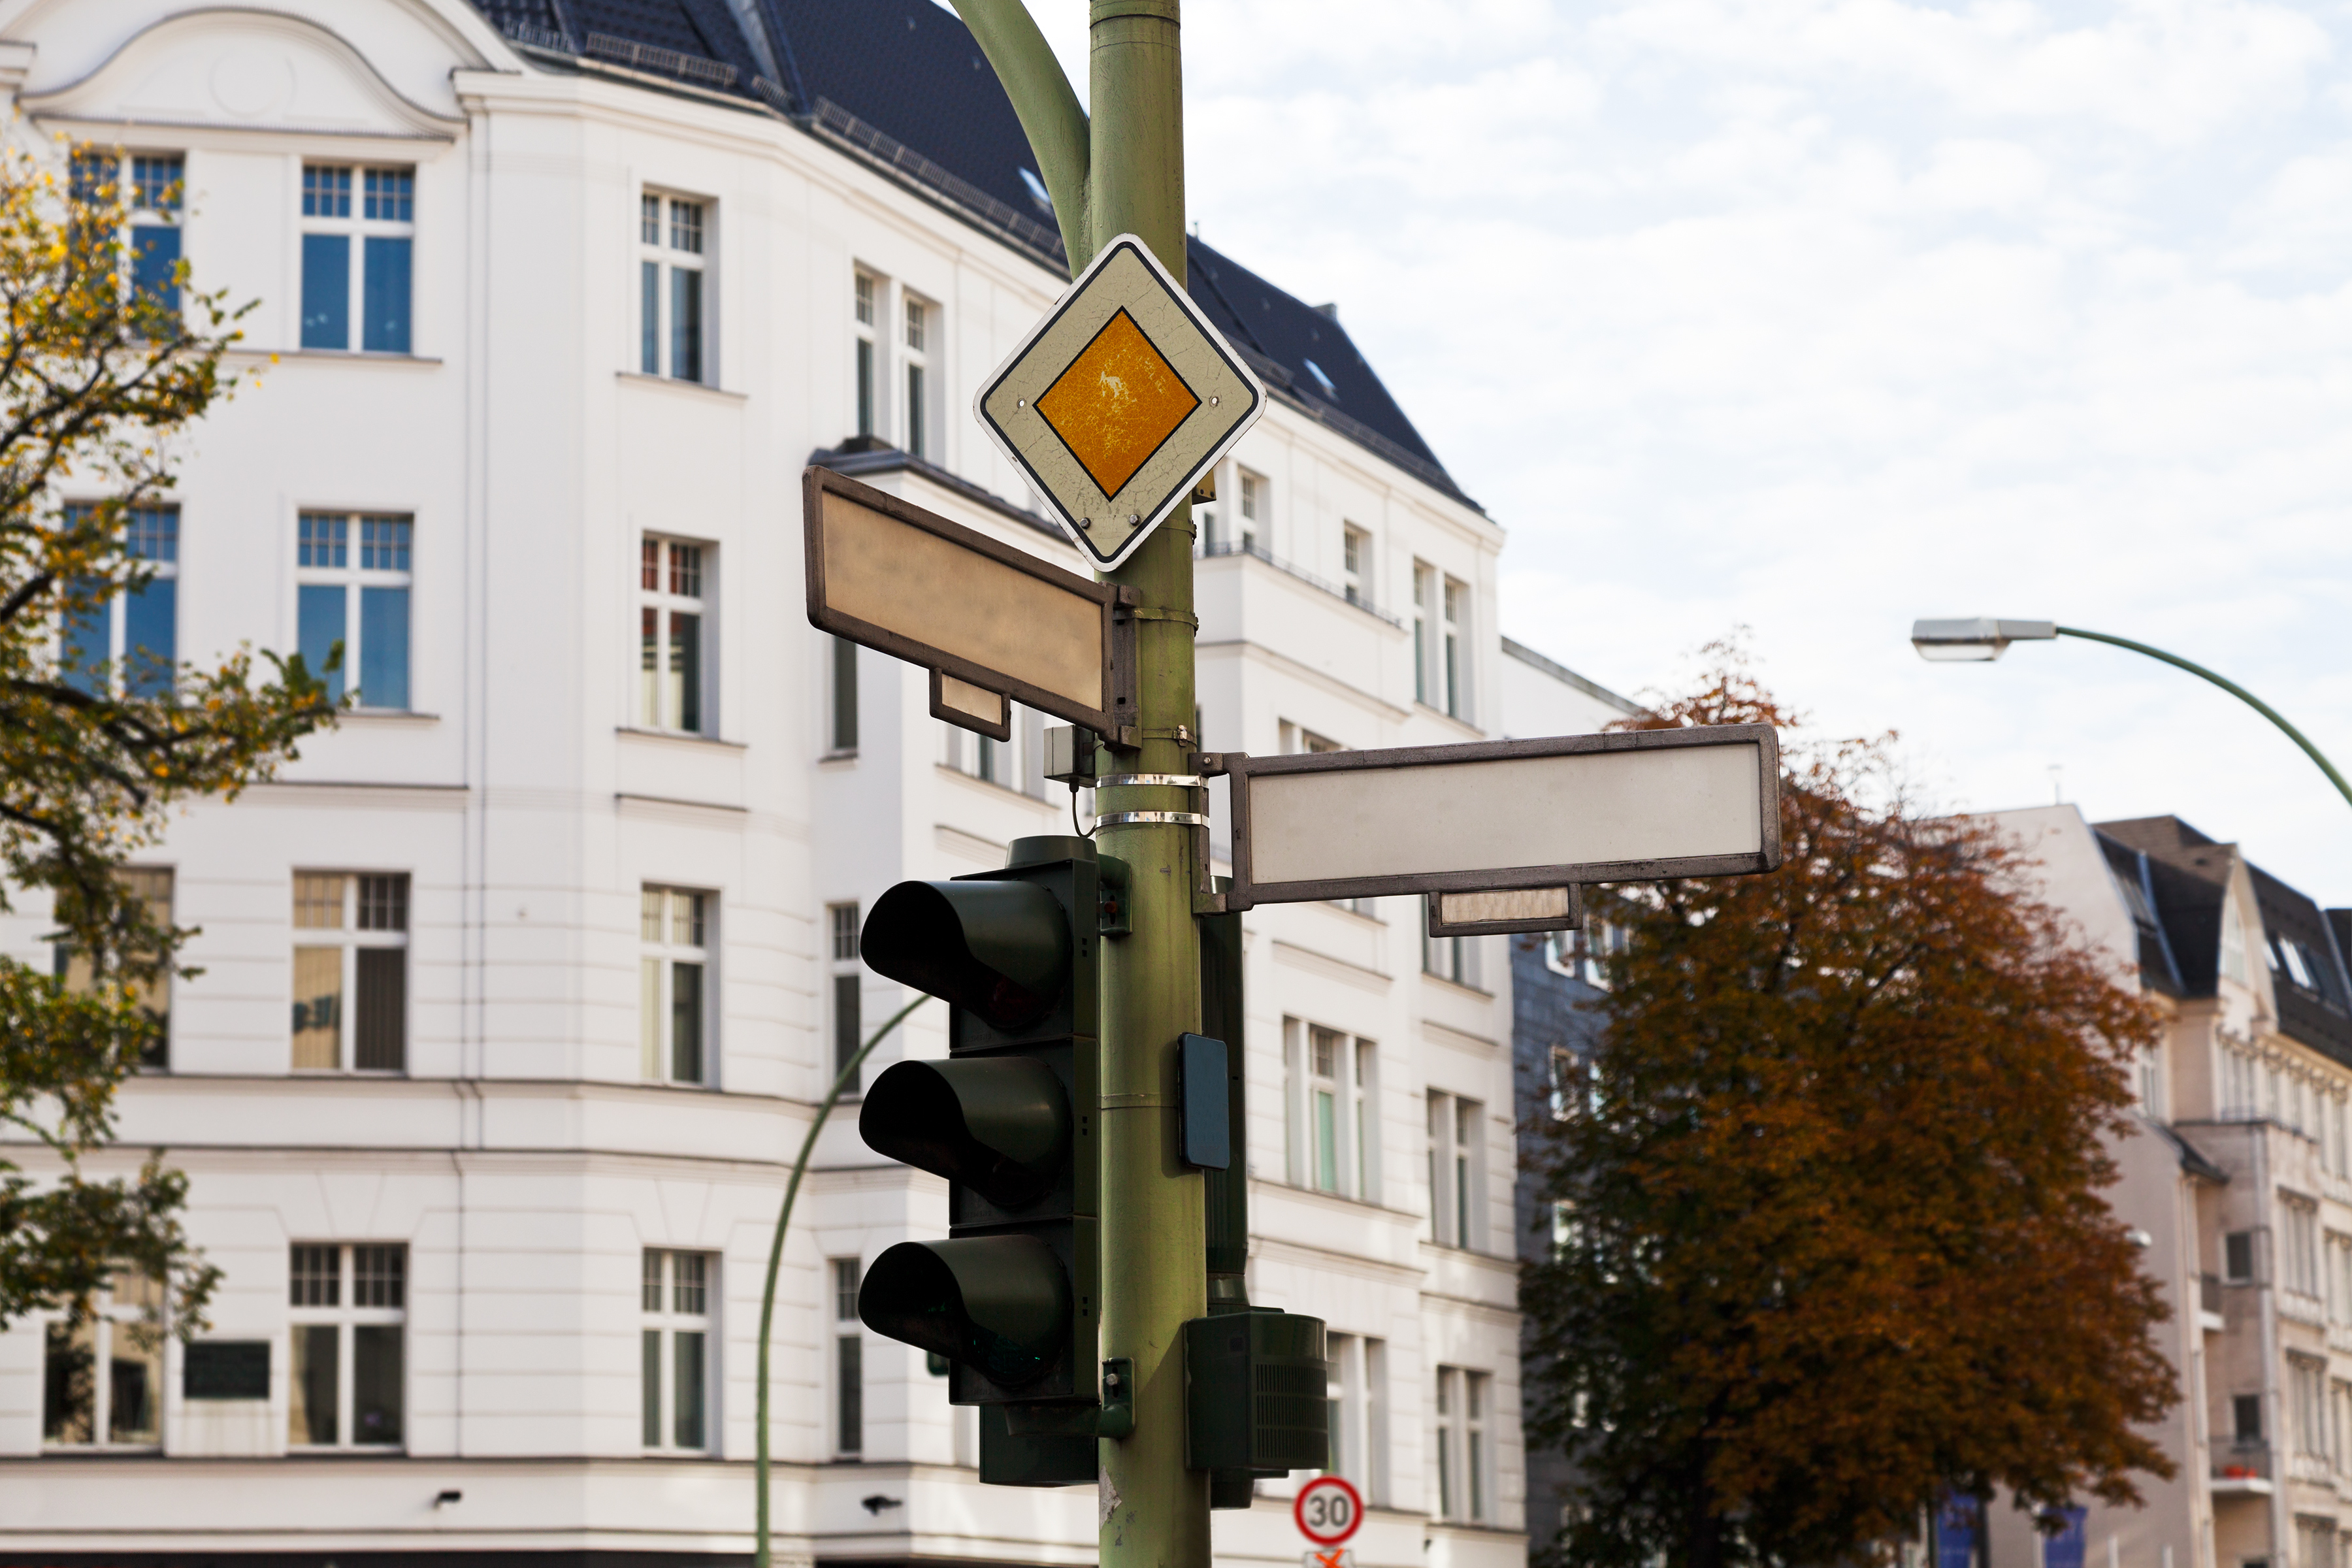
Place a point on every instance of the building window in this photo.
(361, 253)
(151, 206)
(2300, 1220)
(152, 885)
(1455, 958)
(865, 287)
(672, 653)
(1356, 563)
(922, 321)
(1016, 765)
(1464, 1485)
(1562, 1080)
(2314, 1542)
(102, 1378)
(2307, 1404)
(2238, 1257)
(848, 987)
(1457, 1171)
(352, 574)
(2246, 1419)
(672, 309)
(351, 939)
(674, 987)
(1332, 1111)
(1256, 508)
(677, 1291)
(127, 639)
(1457, 652)
(842, 716)
(348, 1305)
(1425, 589)
(1357, 1374)
(2339, 1278)
(848, 1363)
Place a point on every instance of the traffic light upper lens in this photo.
(1001, 950)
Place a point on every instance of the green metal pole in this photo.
(841, 1080)
(1121, 170)
(2233, 689)
(1154, 1512)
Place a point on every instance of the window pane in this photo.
(1327, 1147)
(154, 265)
(848, 1020)
(685, 1022)
(322, 541)
(649, 314)
(69, 1385)
(1445, 1473)
(690, 1291)
(686, 227)
(844, 918)
(316, 1276)
(381, 1026)
(318, 900)
(383, 648)
(1475, 1456)
(150, 637)
(865, 387)
(649, 1013)
(311, 1391)
(686, 1402)
(649, 684)
(649, 219)
(326, 191)
(390, 196)
(845, 696)
(89, 642)
(327, 291)
(915, 409)
(653, 1364)
(380, 1276)
(849, 1373)
(383, 903)
(134, 1395)
(385, 326)
(376, 1384)
(318, 631)
(685, 669)
(384, 543)
(686, 919)
(317, 1007)
(686, 570)
(686, 324)
(845, 1289)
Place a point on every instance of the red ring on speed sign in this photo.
(1349, 1505)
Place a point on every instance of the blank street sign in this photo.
(1508, 912)
(989, 621)
(1501, 815)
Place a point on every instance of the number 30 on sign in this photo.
(1328, 1511)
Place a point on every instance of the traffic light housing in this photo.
(1011, 1298)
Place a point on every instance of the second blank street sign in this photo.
(1549, 812)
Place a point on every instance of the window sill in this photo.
(361, 356)
(691, 388)
(850, 756)
(391, 718)
(678, 737)
(101, 1450)
(1466, 989)
(381, 1075)
(385, 1451)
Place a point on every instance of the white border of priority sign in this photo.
(1325, 1538)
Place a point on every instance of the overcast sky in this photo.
(1814, 316)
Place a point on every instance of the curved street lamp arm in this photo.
(1048, 108)
(847, 1076)
(2233, 689)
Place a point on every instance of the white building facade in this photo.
(519, 986)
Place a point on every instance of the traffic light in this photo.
(1011, 1298)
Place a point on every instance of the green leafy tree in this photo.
(1836, 1243)
(100, 369)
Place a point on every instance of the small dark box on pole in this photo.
(1208, 1133)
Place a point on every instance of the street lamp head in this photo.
(1976, 639)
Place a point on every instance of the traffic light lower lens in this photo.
(999, 1304)
(1000, 1125)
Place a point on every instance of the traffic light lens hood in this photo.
(999, 1304)
(1001, 950)
(1000, 1125)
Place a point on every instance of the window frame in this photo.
(111, 1318)
(666, 1278)
(345, 534)
(354, 225)
(868, 307)
(919, 326)
(846, 1367)
(1456, 1171)
(846, 983)
(656, 706)
(666, 268)
(347, 1315)
(662, 952)
(116, 608)
(351, 939)
(1356, 562)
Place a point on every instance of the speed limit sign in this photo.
(1328, 1510)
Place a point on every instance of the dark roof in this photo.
(2183, 877)
(901, 84)
(2135, 879)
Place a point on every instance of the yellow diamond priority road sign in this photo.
(1120, 401)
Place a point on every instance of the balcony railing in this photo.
(2247, 1464)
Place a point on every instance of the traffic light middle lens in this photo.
(1001, 950)
(1000, 1125)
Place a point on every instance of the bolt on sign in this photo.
(993, 624)
(1497, 817)
(1119, 402)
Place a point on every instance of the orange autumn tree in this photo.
(1834, 1243)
